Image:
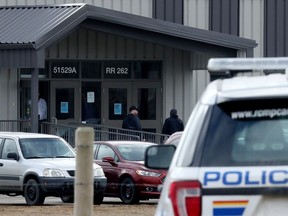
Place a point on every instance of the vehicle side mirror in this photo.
(159, 157)
(109, 160)
(13, 155)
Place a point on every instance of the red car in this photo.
(127, 177)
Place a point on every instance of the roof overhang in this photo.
(25, 46)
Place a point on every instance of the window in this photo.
(247, 133)
(105, 151)
(8, 147)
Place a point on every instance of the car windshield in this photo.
(45, 148)
(132, 152)
(247, 133)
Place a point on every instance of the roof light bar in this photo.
(230, 64)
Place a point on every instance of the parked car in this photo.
(39, 165)
(174, 139)
(232, 158)
(127, 177)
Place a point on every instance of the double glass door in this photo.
(119, 96)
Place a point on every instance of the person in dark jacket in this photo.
(132, 121)
(173, 123)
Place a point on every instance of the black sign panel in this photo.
(117, 70)
(65, 69)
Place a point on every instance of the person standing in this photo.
(132, 121)
(42, 112)
(172, 124)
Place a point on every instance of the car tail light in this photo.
(186, 198)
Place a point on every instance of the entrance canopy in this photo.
(27, 30)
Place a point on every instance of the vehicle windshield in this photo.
(45, 148)
(133, 152)
(247, 133)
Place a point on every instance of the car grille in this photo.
(71, 172)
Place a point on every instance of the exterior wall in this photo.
(168, 10)
(177, 72)
(9, 93)
(196, 13)
(224, 16)
(137, 7)
(276, 28)
(252, 23)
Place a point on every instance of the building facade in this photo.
(101, 66)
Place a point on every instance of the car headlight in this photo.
(147, 173)
(49, 172)
(98, 172)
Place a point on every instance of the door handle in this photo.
(54, 120)
(1, 164)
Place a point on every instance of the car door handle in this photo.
(1, 164)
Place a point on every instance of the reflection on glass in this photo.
(91, 69)
(147, 70)
(117, 103)
(147, 103)
(64, 103)
(91, 102)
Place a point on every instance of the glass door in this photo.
(148, 98)
(119, 96)
(65, 102)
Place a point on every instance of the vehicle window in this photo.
(8, 146)
(247, 133)
(133, 152)
(105, 151)
(45, 148)
(1, 144)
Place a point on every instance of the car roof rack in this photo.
(229, 67)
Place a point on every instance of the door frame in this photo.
(132, 99)
(77, 100)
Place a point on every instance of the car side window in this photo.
(9, 145)
(105, 151)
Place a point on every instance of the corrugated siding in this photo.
(137, 7)
(168, 10)
(224, 16)
(196, 13)
(177, 71)
(276, 28)
(8, 93)
(252, 23)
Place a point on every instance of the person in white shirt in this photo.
(42, 112)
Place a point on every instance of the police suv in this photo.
(232, 158)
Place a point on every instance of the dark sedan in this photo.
(127, 177)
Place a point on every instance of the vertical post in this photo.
(84, 182)
(34, 99)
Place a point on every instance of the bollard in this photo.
(84, 178)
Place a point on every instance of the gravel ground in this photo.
(108, 208)
(102, 210)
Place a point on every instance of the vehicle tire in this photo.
(67, 199)
(128, 193)
(33, 193)
(98, 198)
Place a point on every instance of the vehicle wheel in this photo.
(128, 193)
(98, 198)
(67, 199)
(33, 193)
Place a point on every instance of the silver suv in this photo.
(232, 158)
(40, 165)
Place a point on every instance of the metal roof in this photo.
(34, 28)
